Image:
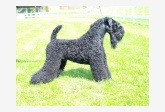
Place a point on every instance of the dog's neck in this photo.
(95, 33)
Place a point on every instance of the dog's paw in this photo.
(42, 77)
(35, 79)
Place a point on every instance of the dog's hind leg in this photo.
(62, 66)
(50, 68)
(47, 73)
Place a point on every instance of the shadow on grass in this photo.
(78, 73)
(27, 61)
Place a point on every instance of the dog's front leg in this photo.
(106, 65)
(98, 67)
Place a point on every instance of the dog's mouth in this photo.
(119, 34)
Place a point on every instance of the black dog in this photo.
(88, 49)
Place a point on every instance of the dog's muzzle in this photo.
(119, 33)
(116, 34)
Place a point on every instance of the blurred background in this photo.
(122, 12)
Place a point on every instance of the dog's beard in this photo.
(113, 41)
(116, 37)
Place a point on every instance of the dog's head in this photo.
(115, 30)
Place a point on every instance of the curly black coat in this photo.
(88, 49)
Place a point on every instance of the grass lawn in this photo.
(128, 63)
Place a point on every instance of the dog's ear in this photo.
(109, 28)
(108, 23)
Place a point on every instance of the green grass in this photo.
(128, 63)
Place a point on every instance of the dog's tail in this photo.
(55, 31)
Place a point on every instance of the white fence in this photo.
(123, 12)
